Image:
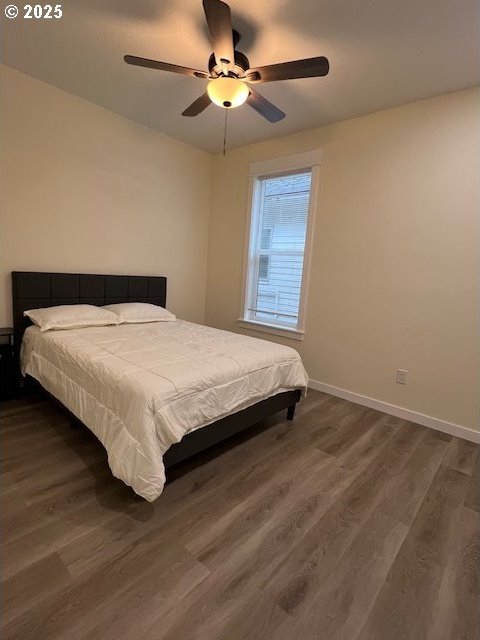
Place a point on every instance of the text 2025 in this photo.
(45, 12)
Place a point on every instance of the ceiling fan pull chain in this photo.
(225, 132)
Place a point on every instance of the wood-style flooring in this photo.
(346, 524)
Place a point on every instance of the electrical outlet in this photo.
(401, 376)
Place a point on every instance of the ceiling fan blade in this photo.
(219, 22)
(165, 66)
(198, 106)
(264, 107)
(308, 68)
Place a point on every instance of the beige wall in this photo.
(86, 190)
(394, 281)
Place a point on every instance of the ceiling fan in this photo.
(229, 70)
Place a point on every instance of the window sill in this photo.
(294, 334)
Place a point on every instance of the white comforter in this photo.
(140, 388)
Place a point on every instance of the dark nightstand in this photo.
(8, 368)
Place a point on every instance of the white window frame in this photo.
(309, 161)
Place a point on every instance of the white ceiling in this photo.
(382, 53)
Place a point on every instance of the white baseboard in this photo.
(406, 414)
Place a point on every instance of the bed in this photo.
(155, 393)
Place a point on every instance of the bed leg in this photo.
(291, 411)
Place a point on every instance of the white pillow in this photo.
(69, 316)
(133, 312)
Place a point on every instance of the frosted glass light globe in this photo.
(227, 92)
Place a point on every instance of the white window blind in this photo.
(277, 248)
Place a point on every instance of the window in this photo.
(263, 264)
(279, 236)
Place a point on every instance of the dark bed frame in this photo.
(37, 290)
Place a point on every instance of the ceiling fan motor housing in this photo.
(241, 66)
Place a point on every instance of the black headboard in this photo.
(33, 290)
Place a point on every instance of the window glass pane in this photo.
(263, 267)
(277, 261)
(266, 238)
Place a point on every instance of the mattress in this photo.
(141, 387)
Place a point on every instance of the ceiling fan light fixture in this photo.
(227, 92)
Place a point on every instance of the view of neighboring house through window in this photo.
(278, 234)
